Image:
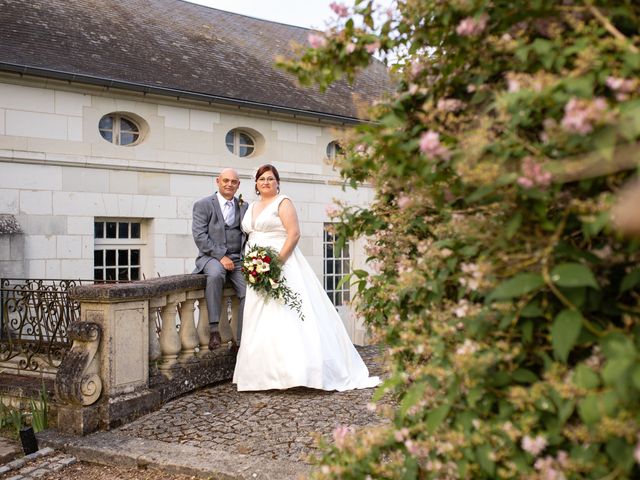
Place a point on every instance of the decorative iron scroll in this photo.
(34, 321)
(78, 381)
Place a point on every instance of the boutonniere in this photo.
(240, 200)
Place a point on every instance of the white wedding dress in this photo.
(278, 350)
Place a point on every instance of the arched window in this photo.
(240, 143)
(334, 150)
(119, 129)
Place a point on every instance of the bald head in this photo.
(228, 182)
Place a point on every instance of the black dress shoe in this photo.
(214, 340)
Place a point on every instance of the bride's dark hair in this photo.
(265, 168)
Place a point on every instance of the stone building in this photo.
(115, 116)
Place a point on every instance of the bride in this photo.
(278, 349)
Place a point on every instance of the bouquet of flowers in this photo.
(262, 269)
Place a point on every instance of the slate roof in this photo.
(171, 47)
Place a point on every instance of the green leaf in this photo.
(630, 280)
(620, 452)
(635, 376)
(564, 333)
(588, 409)
(522, 375)
(616, 369)
(513, 225)
(584, 377)
(573, 275)
(483, 454)
(413, 396)
(516, 286)
(437, 416)
(532, 310)
(616, 345)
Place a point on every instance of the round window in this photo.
(119, 129)
(240, 143)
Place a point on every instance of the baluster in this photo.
(203, 325)
(188, 334)
(154, 327)
(170, 344)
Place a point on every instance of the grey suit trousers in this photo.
(216, 278)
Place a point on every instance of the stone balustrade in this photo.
(136, 346)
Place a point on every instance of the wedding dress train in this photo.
(278, 350)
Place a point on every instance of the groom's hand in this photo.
(227, 263)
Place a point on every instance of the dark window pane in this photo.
(229, 139)
(123, 230)
(110, 258)
(127, 138)
(345, 251)
(107, 135)
(329, 251)
(135, 274)
(338, 300)
(123, 273)
(111, 274)
(345, 266)
(330, 283)
(123, 257)
(98, 229)
(98, 258)
(111, 229)
(329, 264)
(97, 274)
(338, 266)
(135, 230)
(106, 122)
(245, 139)
(244, 151)
(127, 125)
(346, 296)
(135, 257)
(330, 294)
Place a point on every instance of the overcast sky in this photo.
(304, 13)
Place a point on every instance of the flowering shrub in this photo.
(507, 302)
(262, 270)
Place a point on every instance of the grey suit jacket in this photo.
(208, 229)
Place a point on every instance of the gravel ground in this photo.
(92, 471)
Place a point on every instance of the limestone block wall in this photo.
(57, 174)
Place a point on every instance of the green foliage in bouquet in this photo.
(507, 302)
(262, 270)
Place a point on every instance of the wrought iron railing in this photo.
(34, 321)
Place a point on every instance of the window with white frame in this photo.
(336, 266)
(119, 129)
(117, 250)
(240, 143)
(334, 150)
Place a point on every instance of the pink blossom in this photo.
(372, 47)
(412, 448)
(580, 115)
(513, 85)
(636, 452)
(350, 48)
(621, 84)
(340, 434)
(547, 469)
(470, 26)
(331, 210)
(339, 9)
(533, 175)
(404, 201)
(449, 104)
(401, 434)
(430, 145)
(316, 41)
(416, 68)
(534, 446)
(361, 148)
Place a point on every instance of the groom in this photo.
(216, 231)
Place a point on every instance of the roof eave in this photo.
(172, 92)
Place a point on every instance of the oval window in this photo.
(240, 143)
(119, 129)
